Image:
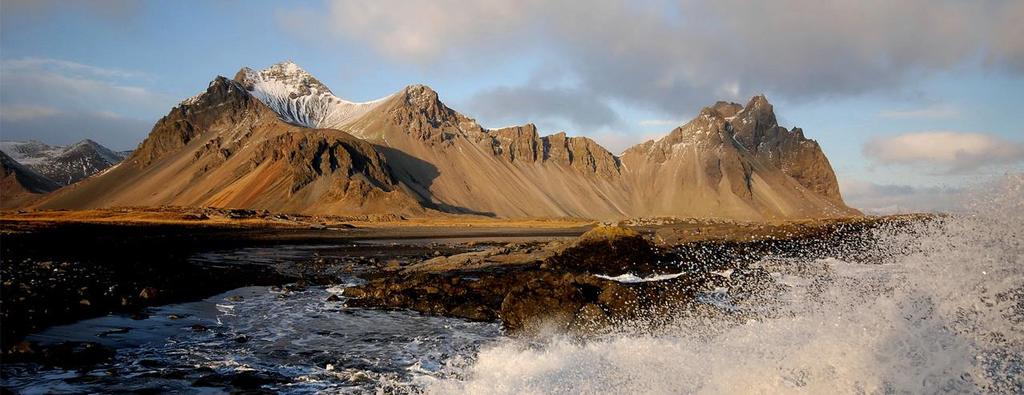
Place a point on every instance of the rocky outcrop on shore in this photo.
(608, 275)
(613, 275)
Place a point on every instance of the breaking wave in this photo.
(939, 308)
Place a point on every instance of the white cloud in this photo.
(937, 111)
(949, 151)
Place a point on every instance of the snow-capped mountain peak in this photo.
(300, 98)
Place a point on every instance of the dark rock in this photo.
(246, 380)
(148, 293)
(116, 331)
(138, 316)
(75, 354)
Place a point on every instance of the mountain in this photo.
(62, 164)
(226, 148)
(279, 139)
(19, 184)
(29, 152)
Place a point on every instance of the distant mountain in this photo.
(29, 152)
(19, 184)
(278, 139)
(63, 164)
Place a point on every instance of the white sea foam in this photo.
(630, 278)
(941, 312)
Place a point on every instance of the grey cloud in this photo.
(675, 56)
(69, 85)
(531, 104)
(60, 102)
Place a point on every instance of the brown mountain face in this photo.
(712, 171)
(278, 139)
(20, 185)
(225, 148)
(756, 129)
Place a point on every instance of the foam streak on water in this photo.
(942, 313)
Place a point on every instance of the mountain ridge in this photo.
(410, 153)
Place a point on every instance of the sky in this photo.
(912, 101)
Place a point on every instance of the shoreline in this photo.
(105, 264)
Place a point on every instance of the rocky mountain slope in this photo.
(225, 148)
(63, 164)
(19, 184)
(278, 139)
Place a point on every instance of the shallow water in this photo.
(939, 309)
(306, 342)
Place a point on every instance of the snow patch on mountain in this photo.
(30, 152)
(299, 98)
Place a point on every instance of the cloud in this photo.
(938, 111)
(68, 67)
(674, 56)
(425, 30)
(883, 199)
(521, 103)
(60, 102)
(25, 112)
(69, 85)
(949, 151)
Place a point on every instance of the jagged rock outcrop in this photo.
(523, 143)
(756, 128)
(279, 139)
(224, 104)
